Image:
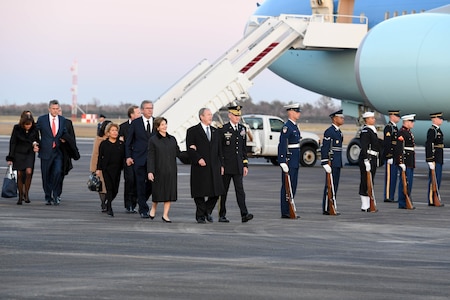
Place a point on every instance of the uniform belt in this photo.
(439, 146)
(371, 152)
(394, 142)
(294, 145)
(409, 148)
(336, 148)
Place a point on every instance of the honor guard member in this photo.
(434, 152)
(331, 153)
(233, 140)
(405, 156)
(391, 168)
(368, 157)
(289, 154)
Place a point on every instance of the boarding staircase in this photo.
(229, 78)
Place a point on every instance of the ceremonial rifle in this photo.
(434, 189)
(330, 189)
(290, 196)
(409, 204)
(373, 203)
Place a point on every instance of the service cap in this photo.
(368, 114)
(102, 116)
(437, 115)
(294, 107)
(394, 112)
(338, 113)
(235, 110)
(410, 117)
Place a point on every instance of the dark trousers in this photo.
(390, 180)
(363, 173)
(293, 174)
(336, 174)
(129, 194)
(401, 195)
(240, 194)
(143, 188)
(204, 207)
(438, 172)
(52, 174)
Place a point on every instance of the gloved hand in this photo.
(367, 163)
(327, 168)
(284, 167)
(431, 165)
(403, 166)
(390, 161)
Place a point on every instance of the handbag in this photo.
(9, 188)
(94, 183)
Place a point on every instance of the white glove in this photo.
(284, 167)
(367, 163)
(390, 161)
(327, 168)
(431, 165)
(403, 166)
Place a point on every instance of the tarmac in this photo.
(73, 251)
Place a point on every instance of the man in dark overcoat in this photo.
(203, 146)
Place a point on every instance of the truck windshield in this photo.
(254, 123)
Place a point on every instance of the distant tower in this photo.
(74, 89)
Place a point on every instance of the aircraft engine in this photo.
(404, 63)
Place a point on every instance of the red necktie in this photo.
(54, 131)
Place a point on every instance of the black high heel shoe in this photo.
(166, 221)
(151, 217)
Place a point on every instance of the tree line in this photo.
(316, 112)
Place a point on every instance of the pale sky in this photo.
(127, 50)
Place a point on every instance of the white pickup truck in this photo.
(264, 134)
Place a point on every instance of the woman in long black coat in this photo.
(22, 148)
(111, 158)
(162, 170)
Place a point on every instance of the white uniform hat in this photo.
(368, 114)
(409, 117)
(294, 106)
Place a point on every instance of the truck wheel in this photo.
(274, 161)
(308, 156)
(353, 149)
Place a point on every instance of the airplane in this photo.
(402, 61)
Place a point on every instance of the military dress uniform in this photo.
(331, 151)
(370, 152)
(405, 154)
(434, 153)
(234, 157)
(289, 153)
(390, 133)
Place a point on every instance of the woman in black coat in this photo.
(22, 148)
(162, 156)
(111, 157)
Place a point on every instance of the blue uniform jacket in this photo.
(290, 135)
(332, 140)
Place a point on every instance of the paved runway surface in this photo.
(73, 251)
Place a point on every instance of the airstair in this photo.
(229, 78)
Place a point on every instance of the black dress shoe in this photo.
(224, 220)
(110, 213)
(388, 200)
(326, 213)
(247, 218)
(164, 220)
(209, 218)
(366, 210)
(145, 216)
(285, 217)
(48, 202)
(57, 200)
(201, 220)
